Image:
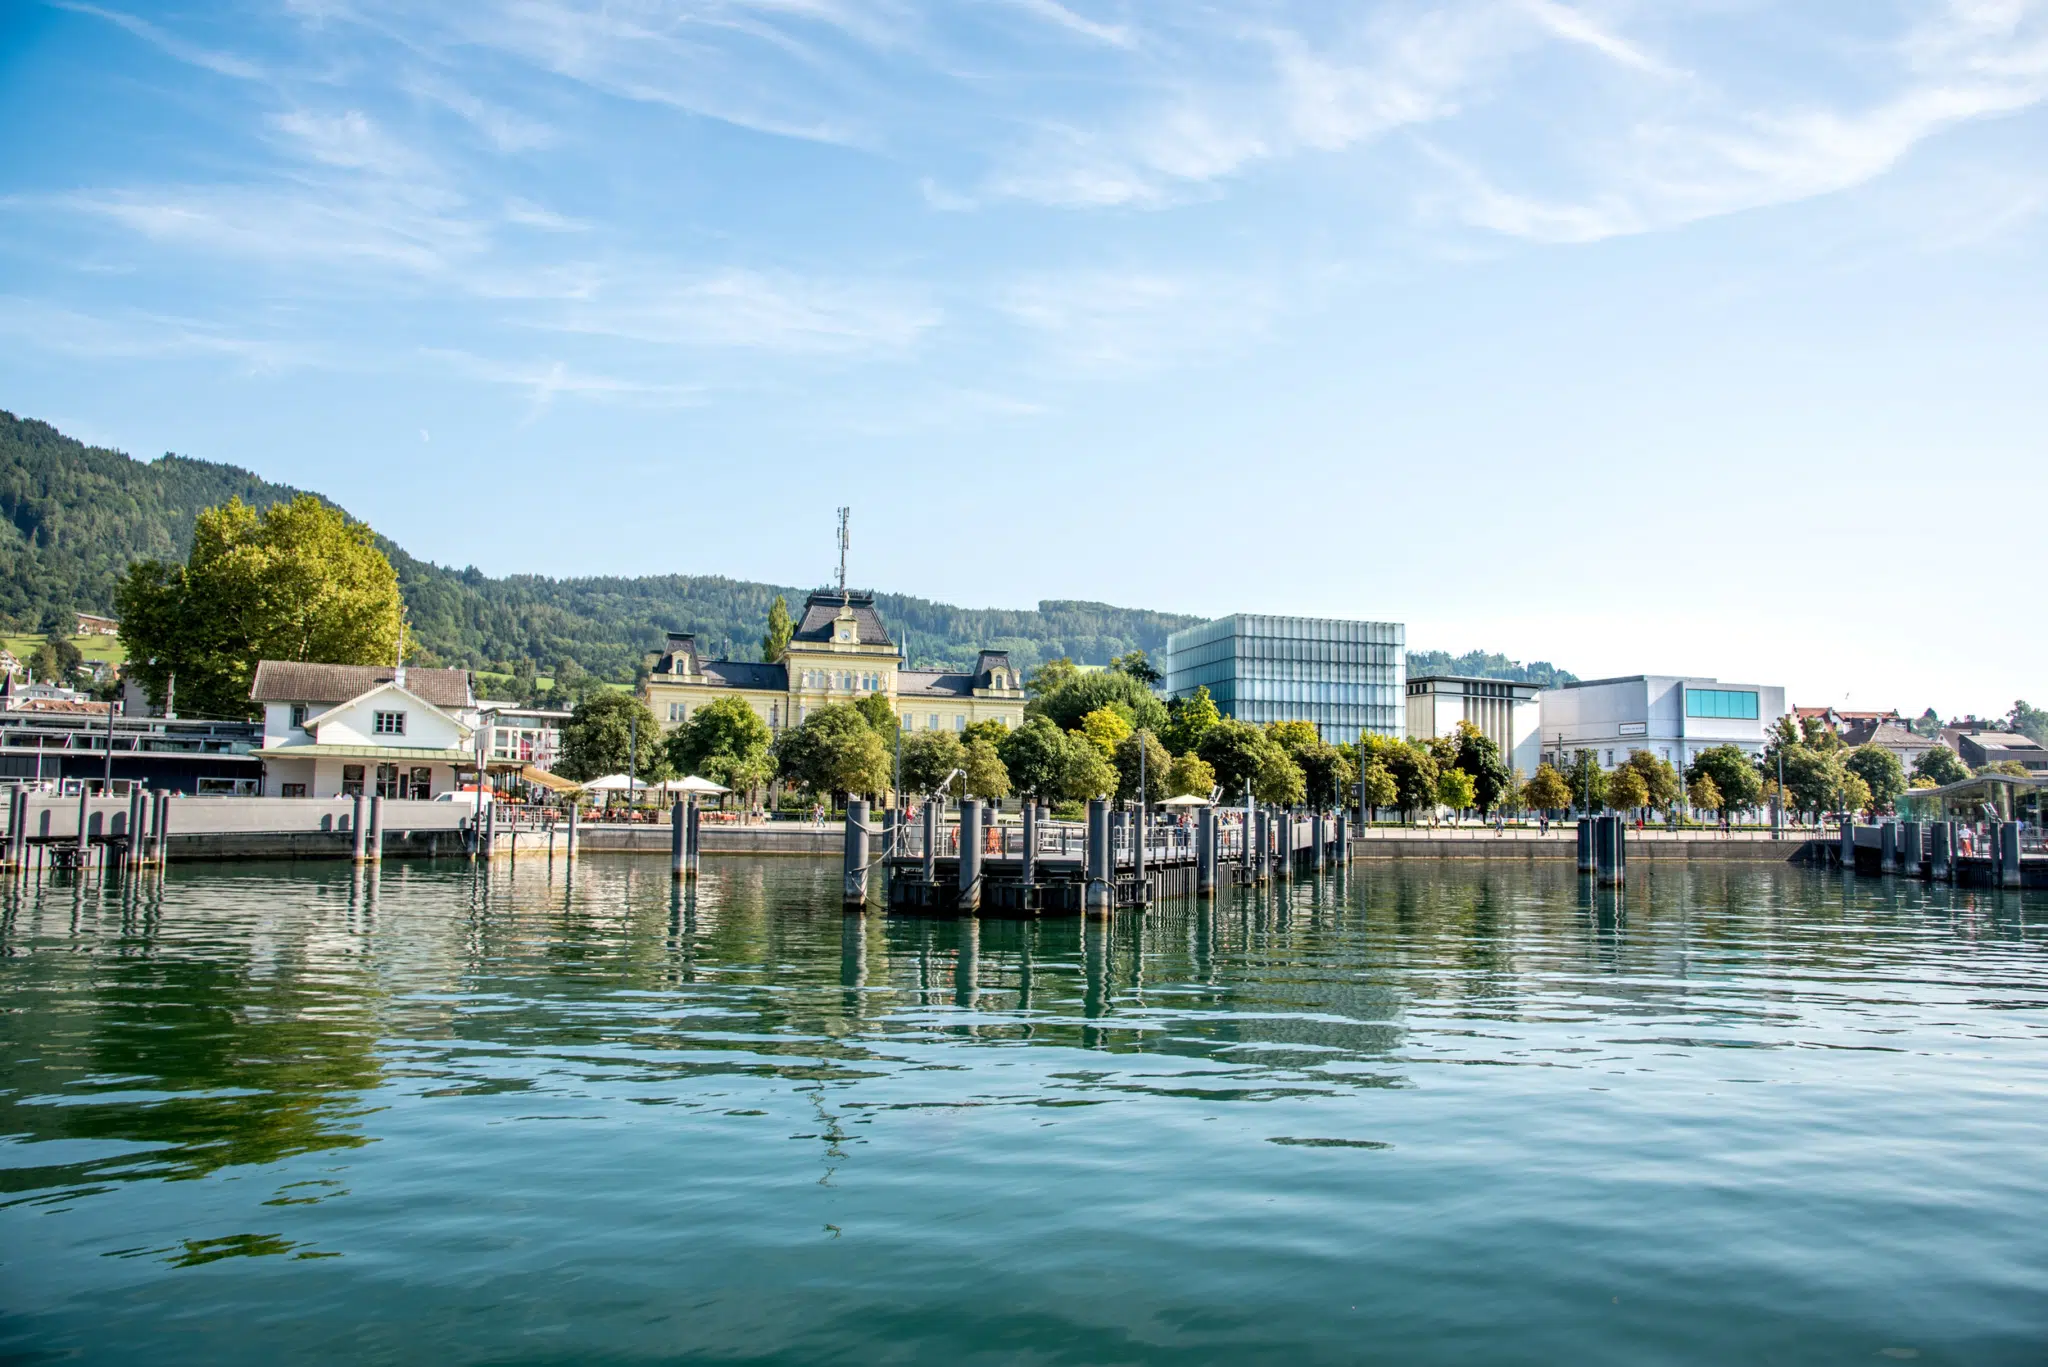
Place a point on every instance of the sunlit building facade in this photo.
(1346, 677)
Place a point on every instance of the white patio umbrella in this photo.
(1186, 800)
(691, 784)
(612, 783)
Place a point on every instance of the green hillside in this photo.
(76, 516)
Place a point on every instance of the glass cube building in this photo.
(1346, 677)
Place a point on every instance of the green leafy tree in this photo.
(1036, 756)
(1546, 790)
(1941, 765)
(1158, 766)
(1587, 781)
(986, 777)
(1880, 771)
(602, 735)
(1293, 737)
(1087, 773)
(1703, 794)
(1661, 784)
(1050, 677)
(929, 757)
(1279, 780)
(726, 742)
(1105, 729)
(1929, 724)
(1454, 788)
(1138, 667)
(1085, 693)
(1479, 755)
(775, 640)
(1327, 772)
(1626, 791)
(1189, 719)
(1856, 794)
(55, 659)
(1813, 778)
(300, 582)
(1734, 774)
(2011, 768)
(834, 750)
(1415, 771)
(1191, 776)
(880, 716)
(1380, 789)
(1236, 752)
(988, 729)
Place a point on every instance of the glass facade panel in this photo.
(1346, 677)
(1726, 703)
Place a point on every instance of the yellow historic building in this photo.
(839, 652)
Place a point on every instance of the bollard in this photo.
(970, 856)
(17, 827)
(1030, 861)
(1609, 851)
(1943, 858)
(854, 863)
(575, 822)
(1101, 892)
(376, 850)
(1585, 844)
(693, 846)
(678, 837)
(2008, 837)
(132, 854)
(1205, 852)
(1888, 845)
(929, 855)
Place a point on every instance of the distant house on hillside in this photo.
(90, 625)
(9, 665)
(1888, 735)
(340, 730)
(1837, 721)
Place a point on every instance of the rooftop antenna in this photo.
(844, 542)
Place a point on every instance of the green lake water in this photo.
(1419, 1114)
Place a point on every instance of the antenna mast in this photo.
(844, 542)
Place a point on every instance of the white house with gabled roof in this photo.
(339, 730)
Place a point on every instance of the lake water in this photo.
(1422, 1114)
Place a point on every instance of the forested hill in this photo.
(77, 516)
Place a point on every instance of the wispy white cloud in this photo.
(192, 54)
(507, 130)
(752, 310)
(546, 381)
(1971, 60)
(133, 333)
(1071, 21)
(1103, 320)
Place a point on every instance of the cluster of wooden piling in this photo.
(136, 839)
(1603, 849)
(1124, 861)
(1930, 850)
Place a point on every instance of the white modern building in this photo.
(339, 730)
(1671, 716)
(1505, 712)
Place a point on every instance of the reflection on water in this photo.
(1412, 1112)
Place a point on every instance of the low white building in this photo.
(339, 730)
(1674, 717)
(1504, 711)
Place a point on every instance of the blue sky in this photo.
(1661, 336)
